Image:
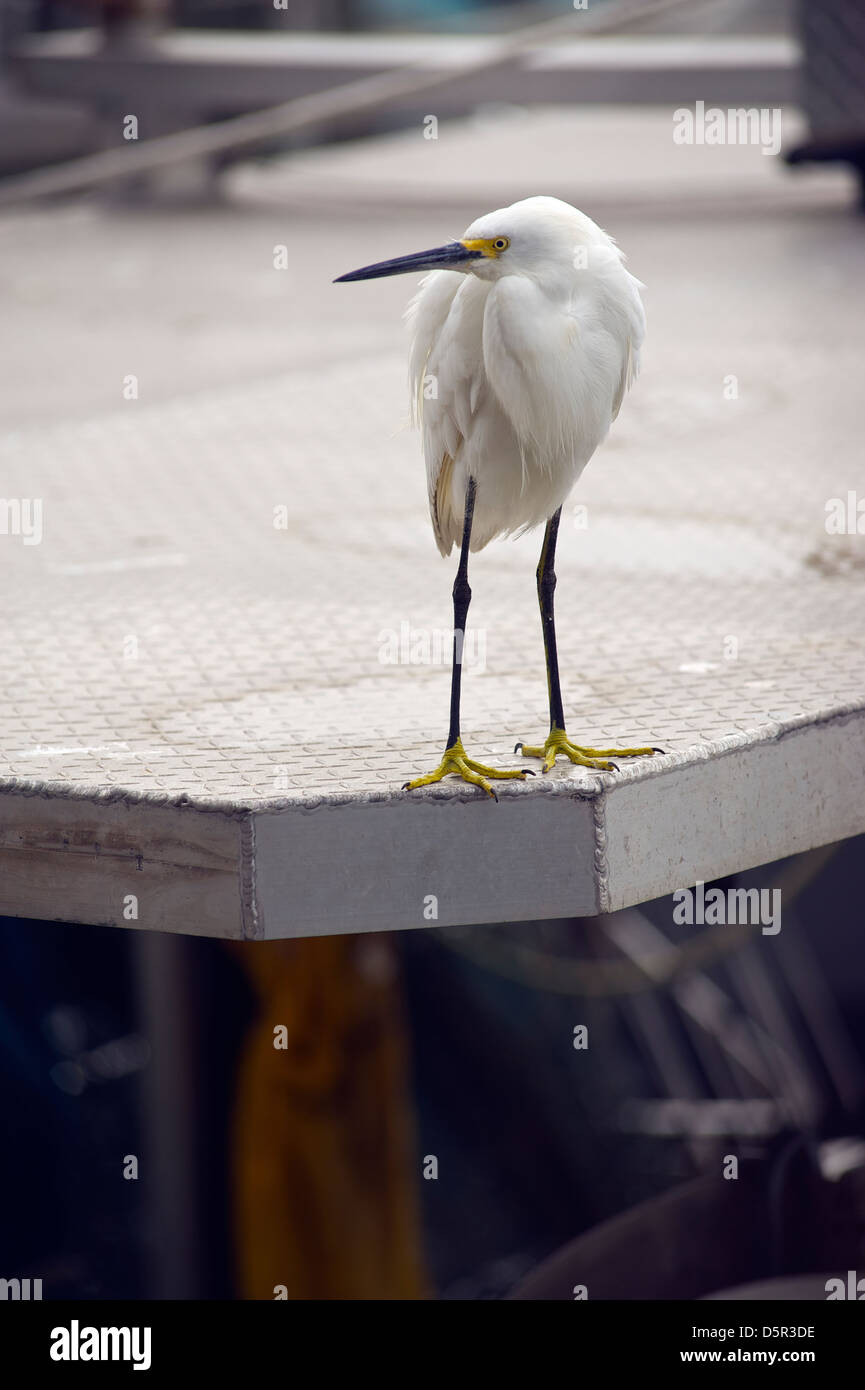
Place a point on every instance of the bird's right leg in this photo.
(557, 740)
(455, 759)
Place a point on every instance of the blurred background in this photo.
(426, 1126)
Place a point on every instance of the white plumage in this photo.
(519, 362)
(526, 335)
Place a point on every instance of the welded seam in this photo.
(600, 857)
(251, 925)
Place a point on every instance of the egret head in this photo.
(532, 237)
(539, 237)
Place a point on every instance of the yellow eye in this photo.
(501, 243)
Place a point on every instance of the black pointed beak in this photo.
(451, 256)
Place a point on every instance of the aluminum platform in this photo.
(207, 717)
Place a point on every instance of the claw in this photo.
(456, 762)
(558, 742)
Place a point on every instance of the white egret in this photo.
(530, 328)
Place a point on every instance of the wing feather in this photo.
(447, 383)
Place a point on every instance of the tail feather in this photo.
(441, 507)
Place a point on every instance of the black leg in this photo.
(462, 599)
(557, 740)
(546, 589)
(455, 759)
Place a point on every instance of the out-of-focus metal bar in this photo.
(360, 95)
(169, 1116)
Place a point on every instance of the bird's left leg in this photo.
(455, 759)
(557, 740)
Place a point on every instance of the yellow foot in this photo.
(455, 761)
(558, 742)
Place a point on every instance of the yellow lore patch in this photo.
(492, 246)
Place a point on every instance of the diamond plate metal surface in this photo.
(169, 638)
(169, 643)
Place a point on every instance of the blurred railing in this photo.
(172, 79)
